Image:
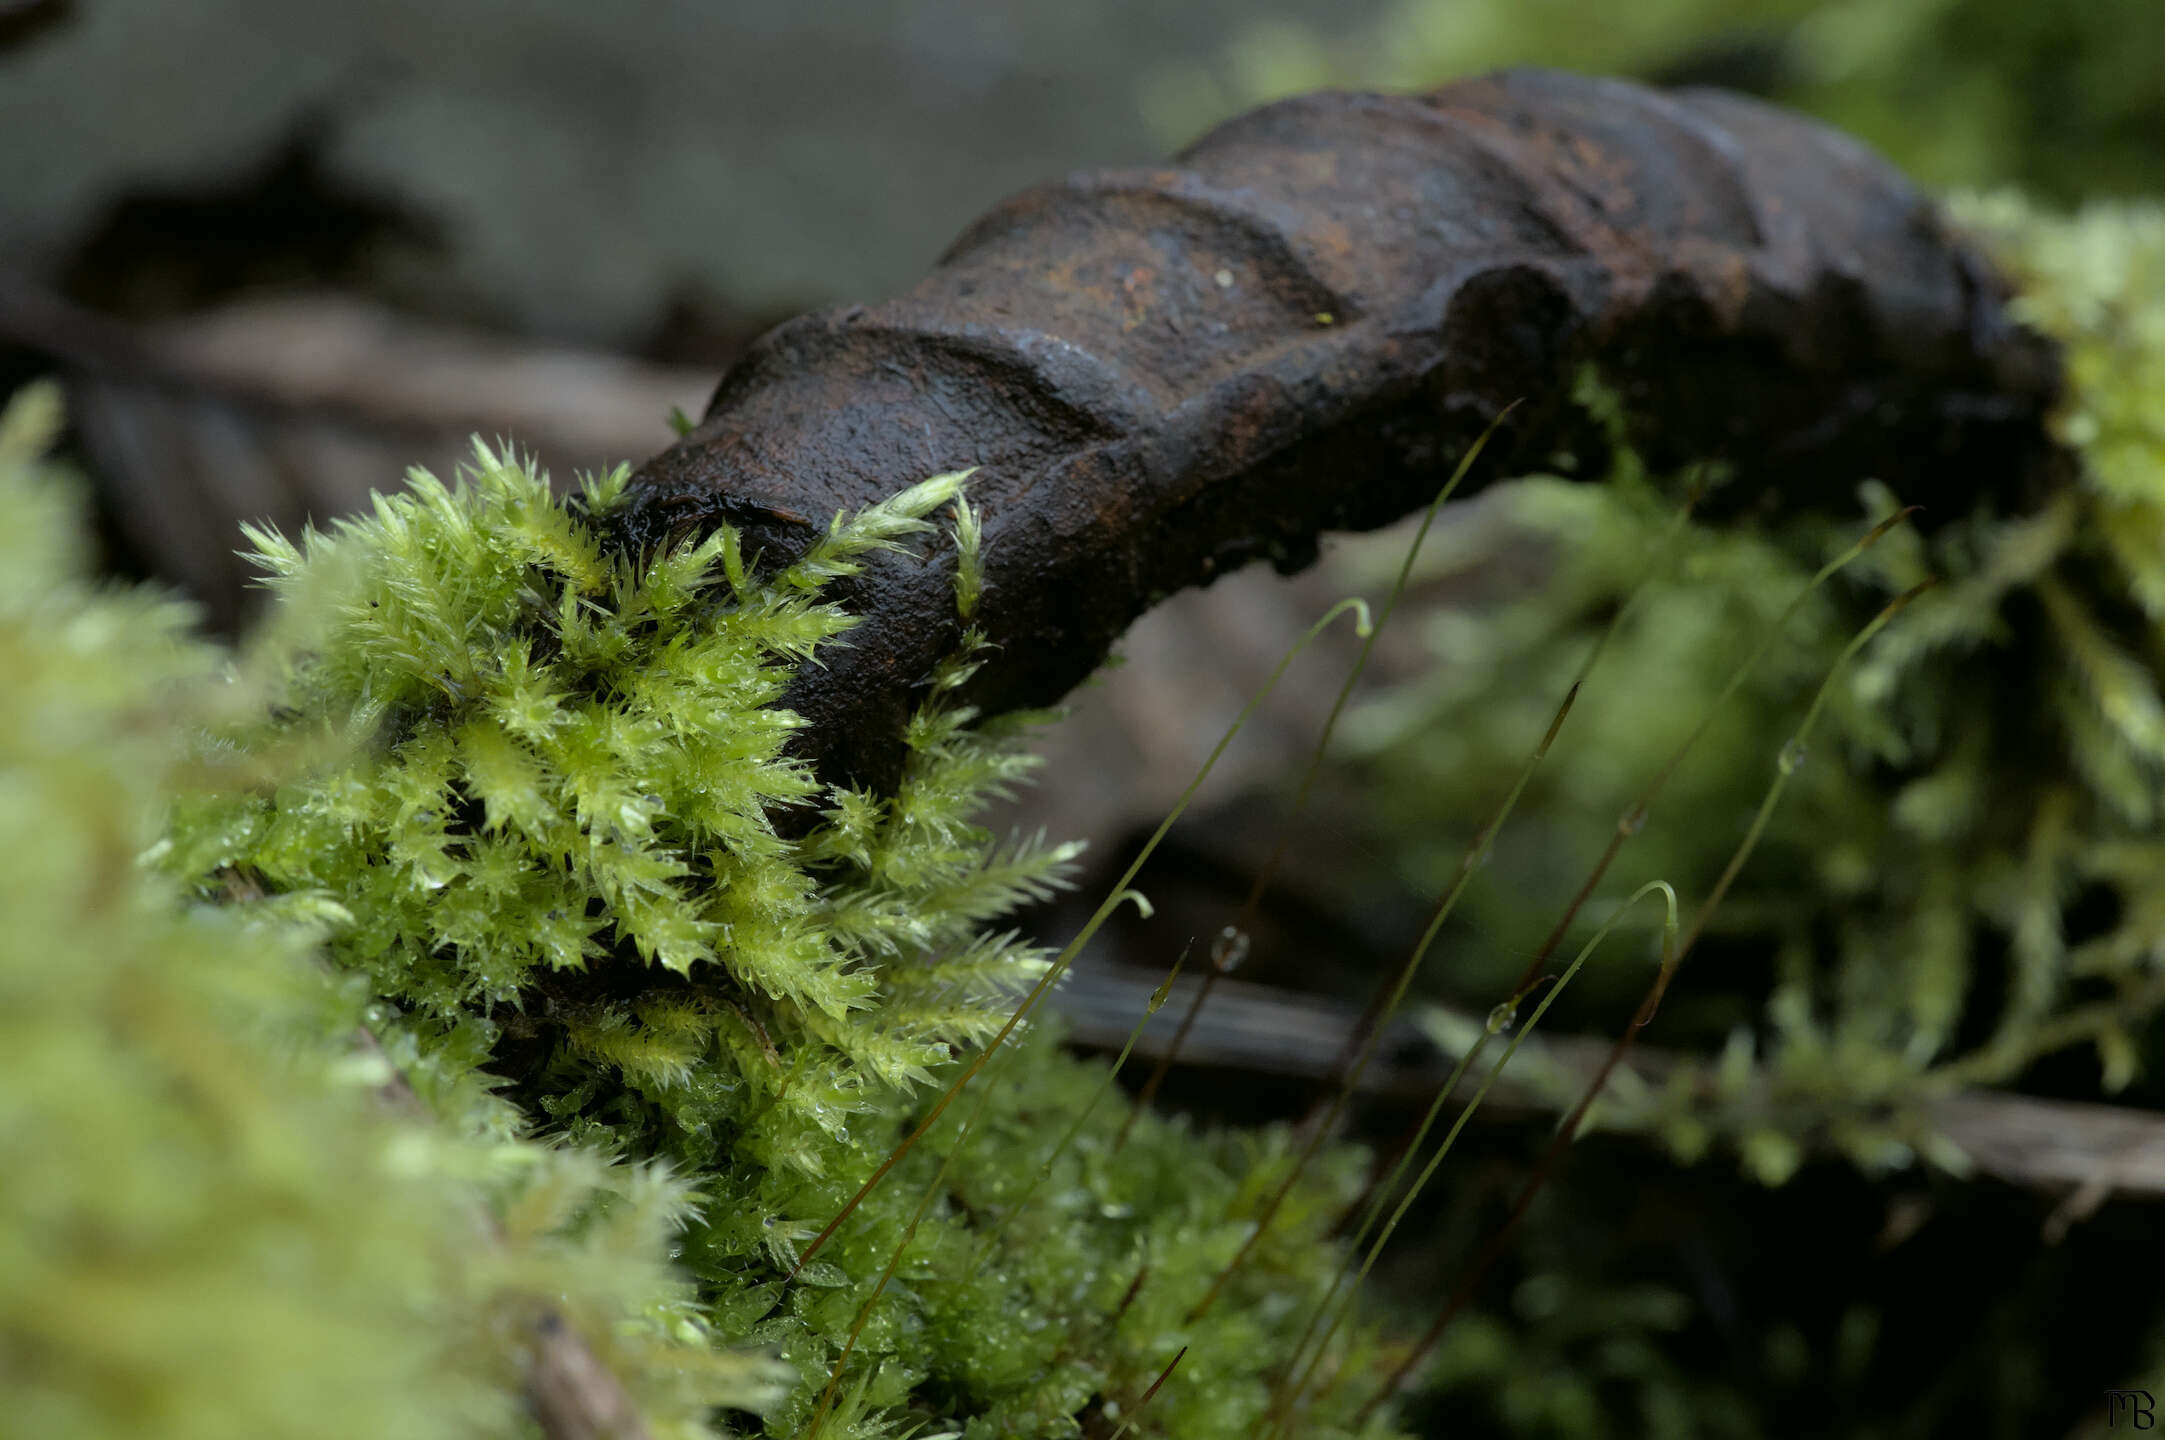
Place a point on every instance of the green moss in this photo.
(1993, 756)
(1958, 884)
(558, 764)
(542, 780)
(210, 1224)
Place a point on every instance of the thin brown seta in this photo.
(1120, 892)
(1244, 924)
(1127, 1297)
(1155, 1385)
(1362, 1046)
(1568, 1130)
(917, 1216)
(1337, 1301)
(1074, 1129)
(1369, 1207)
(1634, 819)
(1792, 757)
(1066, 957)
(1637, 815)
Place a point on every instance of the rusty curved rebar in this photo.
(1164, 374)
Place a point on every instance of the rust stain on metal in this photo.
(1138, 363)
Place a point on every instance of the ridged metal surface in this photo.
(1164, 374)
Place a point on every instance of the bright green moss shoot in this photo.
(539, 777)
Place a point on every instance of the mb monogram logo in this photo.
(2136, 1405)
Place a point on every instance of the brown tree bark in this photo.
(1164, 374)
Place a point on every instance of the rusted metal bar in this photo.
(1298, 327)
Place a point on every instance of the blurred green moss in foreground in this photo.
(505, 799)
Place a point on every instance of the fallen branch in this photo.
(2096, 1150)
(292, 409)
(571, 1394)
(330, 356)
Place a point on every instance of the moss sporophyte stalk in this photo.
(506, 798)
(1984, 754)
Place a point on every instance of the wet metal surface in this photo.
(1299, 326)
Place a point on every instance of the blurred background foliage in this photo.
(2059, 97)
(1956, 881)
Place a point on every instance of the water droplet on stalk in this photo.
(1229, 949)
(1792, 756)
(1503, 1017)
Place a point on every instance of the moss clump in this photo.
(558, 767)
(542, 780)
(1957, 881)
(1957, 888)
(211, 1225)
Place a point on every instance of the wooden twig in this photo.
(338, 356)
(290, 410)
(2095, 1150)
(572, 1395)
